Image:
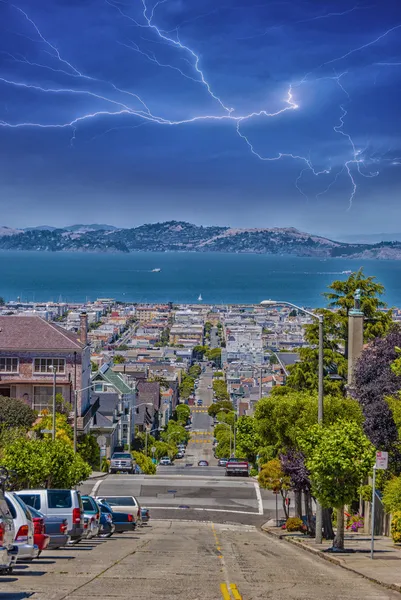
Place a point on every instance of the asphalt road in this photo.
(182, 560)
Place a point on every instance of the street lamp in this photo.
(130, 420)
(76, 392)
(320, 319)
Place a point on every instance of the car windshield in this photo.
(121, 455)
(59, 498)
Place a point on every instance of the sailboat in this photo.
(200, 298)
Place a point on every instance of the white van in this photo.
(60, 503)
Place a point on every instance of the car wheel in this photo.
(106, 535)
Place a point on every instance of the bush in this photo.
(15, 413)
(396, 527)
(145, 463)
(392, 495)
(253, 472)
(294, 524)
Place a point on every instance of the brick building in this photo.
(30, 349)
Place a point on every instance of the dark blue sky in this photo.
(253, 114)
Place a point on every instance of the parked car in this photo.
(40, 535)
(237, 466)
(179, 454)
(107, 527)
(59, 503)
(145, 514)
(8, 550)
(165, 461)
(222, 462)
(203, 463)
(24, 528)
(122, 521)
(55, 527)
(121, 461)
(127, 504)
(91, 516)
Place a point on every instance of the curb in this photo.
(97, 476)
(329, 558)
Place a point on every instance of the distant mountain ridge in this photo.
(179, 236)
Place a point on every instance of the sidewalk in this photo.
(384, 569)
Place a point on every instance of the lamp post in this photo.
(130, 419)
(320, 319)
(54, 403)
(76, 392)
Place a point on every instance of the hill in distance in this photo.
(179, 236)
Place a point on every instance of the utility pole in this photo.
(54, 403)
(319, 510)
(75, 420)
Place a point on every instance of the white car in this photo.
(124, 504)
(165, 461)
(24, 530)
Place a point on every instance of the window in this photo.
(31, 500)
(45, 365)
(59, 498)
(120, 500)
(43, 397)
(9, 365)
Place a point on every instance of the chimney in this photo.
(83, 319)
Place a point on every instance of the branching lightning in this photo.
(133, 106)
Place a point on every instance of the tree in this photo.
(220, 390)
(273, 478)
(216, 407)
(304, 374)
(161, 380)
(247, 440)
(118, 359)
(94, 366)
(341, 297)
(174, 433)
(284, 415)
(293, 465)
(89, 450)
(182, 413)
(374, 380)
(199, 351)
(15, 413)
(64, 430)
(164, 449)
(224, 438)
(45, 463)
(338, 457)
(144, 463)
(194, 371)
(187, 387)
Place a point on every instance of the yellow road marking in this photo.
(235, 592)
(224, 591)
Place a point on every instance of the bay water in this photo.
(183, 276)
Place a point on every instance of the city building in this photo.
(34, 351)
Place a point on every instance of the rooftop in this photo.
(34, 333)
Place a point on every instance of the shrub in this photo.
(354, 522)
(392, 495)
(15, 413)
(294, 524)
(145, 463)
(396, 527)
(254, 472)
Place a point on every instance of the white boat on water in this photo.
(156, 270)
(346, 272)
(200, 298)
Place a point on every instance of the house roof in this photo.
(115, 379)
(34, 333)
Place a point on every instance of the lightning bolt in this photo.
(135, 107)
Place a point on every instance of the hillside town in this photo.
(125, 363)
